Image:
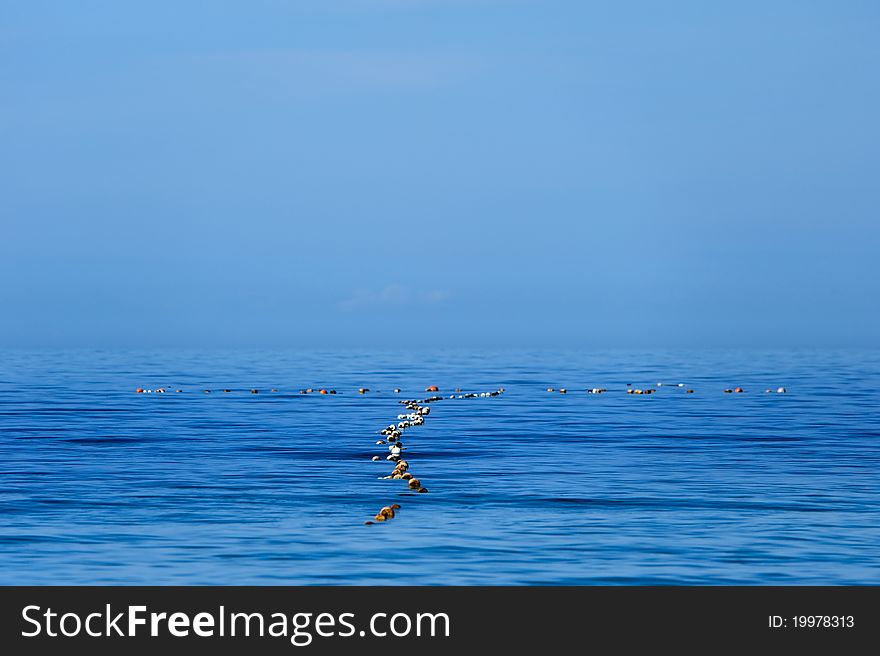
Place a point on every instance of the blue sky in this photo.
(439, 172)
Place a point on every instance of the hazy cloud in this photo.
(305, 72)
(392, 296)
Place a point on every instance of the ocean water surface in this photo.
(100, 485)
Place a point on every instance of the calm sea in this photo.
(101, 485)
